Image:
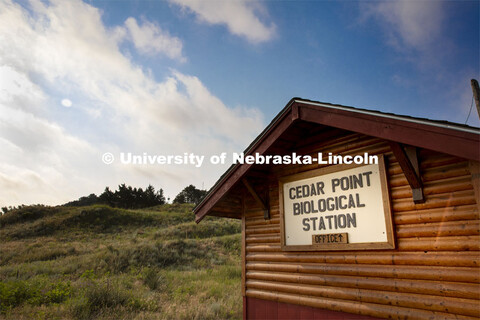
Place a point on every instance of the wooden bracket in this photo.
(266, 211)
(408, 160)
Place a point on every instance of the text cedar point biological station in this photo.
(239, 158)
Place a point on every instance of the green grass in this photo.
(103, 263)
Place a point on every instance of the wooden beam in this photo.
(408, 160)
(266, 211)
(225, 214)
(441, 139)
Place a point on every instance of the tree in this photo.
(84, 201)
(190, 195)
(125, 197)
(150, 196)
(107, 197)
(180, 198)
(160, 198)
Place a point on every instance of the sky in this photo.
(84, 82)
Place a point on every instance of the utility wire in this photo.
(471, 105)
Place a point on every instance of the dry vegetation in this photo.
(102, 263)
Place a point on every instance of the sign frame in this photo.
(389, 244)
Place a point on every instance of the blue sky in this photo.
(79, 79)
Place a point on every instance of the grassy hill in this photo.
(106, 263)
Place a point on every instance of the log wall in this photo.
(433, 273)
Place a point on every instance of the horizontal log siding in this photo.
(433, 274)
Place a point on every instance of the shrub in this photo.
(26, 213)
(231, 243)
(106, 295)
(18, 292)
(102, 298)
(177, 253)
(153, 279)
(13, 294)
(58, 293)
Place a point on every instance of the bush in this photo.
(26, 213)
(58, 293)
(153, 279)
(15, 293)
(181, 254)
(104, 297)
(98, 218)
(230, 243)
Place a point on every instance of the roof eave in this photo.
(300, 109)
(283, 117)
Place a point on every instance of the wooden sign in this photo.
(329, 238)
(349, 200)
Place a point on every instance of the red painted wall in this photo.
(264, 309)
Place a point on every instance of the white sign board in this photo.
(336, 201)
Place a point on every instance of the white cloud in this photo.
(415, 24)
(37, 155)
(413, 28)
(52, 154)
(240, 17)
(150, 39)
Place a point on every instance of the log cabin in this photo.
(319, 241)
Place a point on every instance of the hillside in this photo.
(105, 263)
